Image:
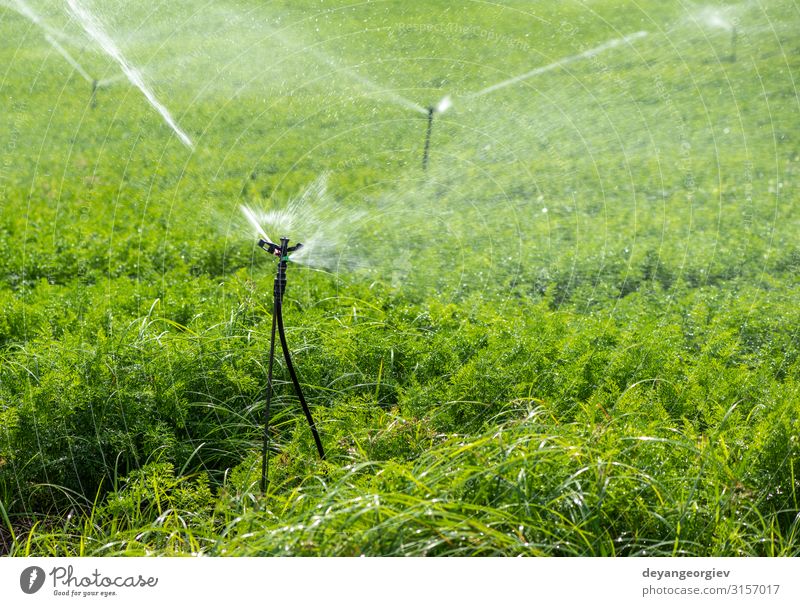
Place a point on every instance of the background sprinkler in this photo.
(282, 251)
(441, 107)
(93, 98)
(427, 138)
(720, 19)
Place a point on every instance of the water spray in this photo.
(95, 30)
(348, 71)
(50, 35)
(587, 54)
(282, 251)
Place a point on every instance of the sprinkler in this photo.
(282, 251)
(441, 107)
(93, 98)
(428, 138)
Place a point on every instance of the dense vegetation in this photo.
(577, 334)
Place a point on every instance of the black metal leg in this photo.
(265, 449)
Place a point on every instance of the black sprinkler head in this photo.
(281, 249)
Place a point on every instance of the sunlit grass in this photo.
(576, 334)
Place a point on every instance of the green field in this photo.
(576, 333)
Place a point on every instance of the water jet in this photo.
(50, 35)
(96, 32)
(587, 54)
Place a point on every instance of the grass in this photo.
(575, 335)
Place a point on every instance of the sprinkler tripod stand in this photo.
(281, 251)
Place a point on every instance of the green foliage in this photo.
(576, 335)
